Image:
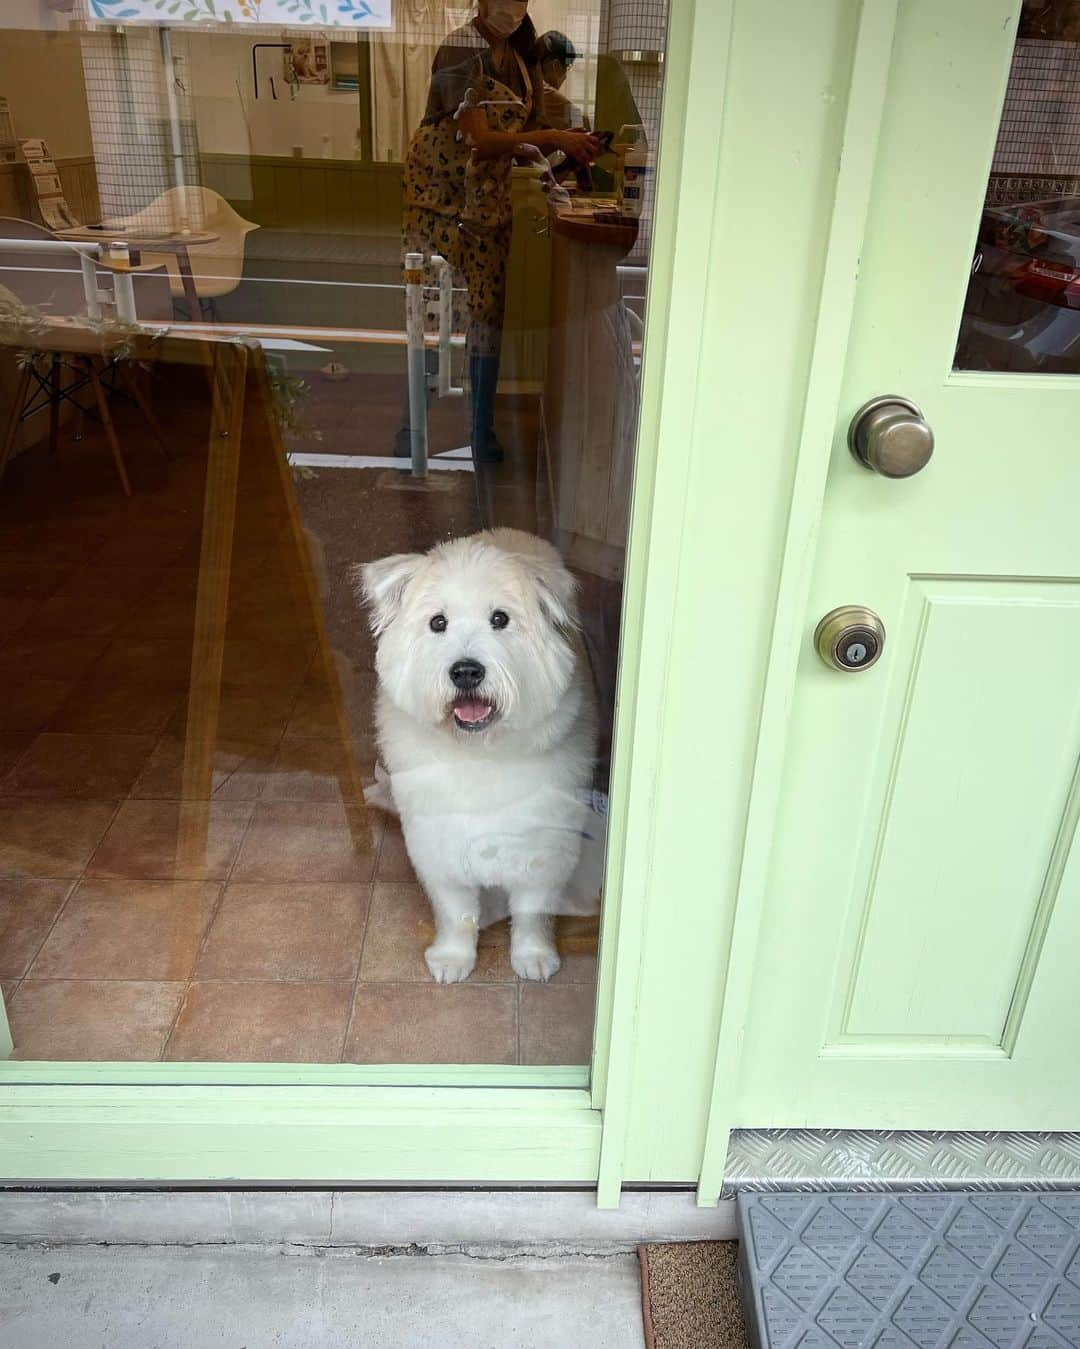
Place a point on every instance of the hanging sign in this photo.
(322, 13)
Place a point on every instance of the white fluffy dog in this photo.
(486, 726)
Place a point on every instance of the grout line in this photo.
(356, 980)
(27, 973)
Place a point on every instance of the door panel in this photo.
(915, 962)
(978, 749)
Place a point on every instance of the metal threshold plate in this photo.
(914, 1270)
(899, 1159)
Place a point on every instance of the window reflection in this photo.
(312, 338)
(1022, 311)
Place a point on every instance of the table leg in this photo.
(14, 415)
(55, 378)
(107, 423)
(183, 263)
(133, 381)
(229, 375)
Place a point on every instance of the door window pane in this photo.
(1022, 311)
(322, 351)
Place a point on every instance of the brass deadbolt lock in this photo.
(850, 638)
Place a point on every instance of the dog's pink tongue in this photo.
(471, 710)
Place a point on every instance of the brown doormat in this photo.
(688, 1296)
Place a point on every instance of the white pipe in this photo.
(414, 327)
(123, 286)
(174, 126)
(122, 281)
(446, 319)
(89, 281)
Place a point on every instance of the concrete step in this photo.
(248, 1297)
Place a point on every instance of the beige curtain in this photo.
(401, 69)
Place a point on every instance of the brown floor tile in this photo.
(27, 911)
(401, 927)
(143, 547)
(240, 768)
(261, 1023)
(17, 614)
(98, 581)
(280, 663)
(97, 1022)
(394, 864)
(172, 840)
(168, 610)
(314, 715)
(44, 655)
(13, 744)
(83, 615)
(50, 838)
(7, 990)
(556, 1023)
(286, 932)
(34, 575)
(297, 841)
(433, 1023)
(146, 660)
(28, 704)
(104, 706)
(248, 712)
(316, 770)
(577, 940)
(128, 930)
(100, 767)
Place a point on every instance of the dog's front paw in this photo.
(450, 964)
(535, 962)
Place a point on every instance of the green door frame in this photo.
(754, 114)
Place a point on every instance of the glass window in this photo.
(1022, 310)
(321, 346)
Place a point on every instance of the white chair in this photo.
(216, 267)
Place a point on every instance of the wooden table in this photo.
(590, 393)
(176, 242)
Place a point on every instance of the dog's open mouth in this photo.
(472, 713)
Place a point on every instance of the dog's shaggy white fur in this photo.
(486, 726)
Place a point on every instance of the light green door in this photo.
(916, 961)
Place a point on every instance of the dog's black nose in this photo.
(467, 674)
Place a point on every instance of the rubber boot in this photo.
(403, 435)
(483, 381)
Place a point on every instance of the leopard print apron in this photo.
(461, 208)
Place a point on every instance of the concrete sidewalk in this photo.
(247, 1297)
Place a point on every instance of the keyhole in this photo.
(856, 653)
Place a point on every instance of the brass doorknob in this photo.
(850, 638)
(891, 436)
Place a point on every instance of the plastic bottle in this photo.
(634, 162)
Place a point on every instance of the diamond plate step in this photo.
(898, 1159)
(911, 1270)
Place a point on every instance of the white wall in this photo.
(231, 121)
(41, 76)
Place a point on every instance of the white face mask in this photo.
(506, 16)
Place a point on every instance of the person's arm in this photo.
(488, 144)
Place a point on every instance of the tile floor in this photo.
(263, 913)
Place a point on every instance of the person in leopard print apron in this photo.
(485, 106)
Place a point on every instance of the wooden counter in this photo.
(591, 396)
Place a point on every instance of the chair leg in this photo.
(134, 383)
(56, 374)
(14, 415)
(107, 423)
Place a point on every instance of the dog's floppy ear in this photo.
(380, 585)
(557, 590)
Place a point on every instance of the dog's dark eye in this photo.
(500, 618)
(438, 623)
